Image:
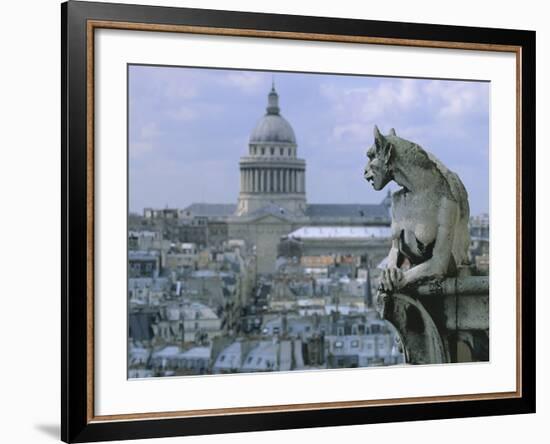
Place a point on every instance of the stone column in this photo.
(281, 181)
(256, 180)
(290, 181)
(268, 189)
(286, 180)
(261, 184)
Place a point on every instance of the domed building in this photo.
(272, 203)
(271, 173)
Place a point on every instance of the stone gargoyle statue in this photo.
(430, 213)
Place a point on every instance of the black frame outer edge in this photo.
(64, 320)
(74, 426)
(528, 209)
(73, 335)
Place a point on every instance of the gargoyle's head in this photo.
(379, 168)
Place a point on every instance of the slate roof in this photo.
(142, 255)
(230, 357)
(367, 211)
(349, 232)
(262, 357)
(273, 210)
(211, 209)
(196, 353)
(313, 211)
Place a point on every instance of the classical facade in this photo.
(272, 201)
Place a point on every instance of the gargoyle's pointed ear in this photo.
(379, 139)
(392, 132)
(388, 154)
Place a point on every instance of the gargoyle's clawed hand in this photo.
(380, 302)
(391, 279)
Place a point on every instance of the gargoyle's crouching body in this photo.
(430, 212)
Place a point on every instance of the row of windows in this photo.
(355, 344)
(340, 331)
(249, 360)
(262, 151)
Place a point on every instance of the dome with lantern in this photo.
(272, 127)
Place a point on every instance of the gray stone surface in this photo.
(441, 313)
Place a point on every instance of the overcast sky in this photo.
(189, 126)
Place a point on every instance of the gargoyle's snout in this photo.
(368, 175)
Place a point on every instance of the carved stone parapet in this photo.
(441, 321)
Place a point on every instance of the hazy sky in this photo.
(189, 126)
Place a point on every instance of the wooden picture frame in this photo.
(80, 20)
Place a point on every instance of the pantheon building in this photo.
(272, 202)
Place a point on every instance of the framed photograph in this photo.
(275, 221)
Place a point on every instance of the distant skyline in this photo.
(188, 127)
